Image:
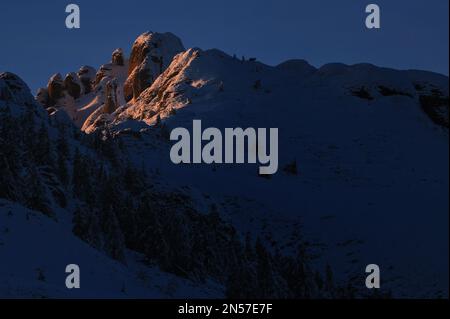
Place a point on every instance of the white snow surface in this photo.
(35, 250)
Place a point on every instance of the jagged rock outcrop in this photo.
(72, 85)
(111, 103)
(86, 74)
(55, 88)
(101, 73)
(193, 75)
(150, 55)
(101, 116)
(42, 96)
(118, 57)
(162, 96)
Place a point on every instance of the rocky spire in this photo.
(55, 88)
(118, 57)
(150, 55)
(86, 74)
(72, 85)
(111, 97)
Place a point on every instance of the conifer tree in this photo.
(264, 273)
(41, 147)
(36, 197)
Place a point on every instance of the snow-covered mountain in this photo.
(363, 178)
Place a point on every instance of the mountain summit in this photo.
(160, 76)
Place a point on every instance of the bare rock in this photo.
(118, 57)
(72, 85)
(111, 103)
(103, 72)
(150, 55)
(55, 88)
(86, 74)
(42, 97)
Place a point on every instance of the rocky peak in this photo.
(73, 85)
(55, 88)
(118, 57)
(163, 97)
(150, 55)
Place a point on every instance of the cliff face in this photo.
(150, 55)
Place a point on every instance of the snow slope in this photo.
(370, 145)
(373, 169)
(35, 251)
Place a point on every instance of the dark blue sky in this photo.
(35, 42)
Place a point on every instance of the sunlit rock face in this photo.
(165, 95)
(91, 92)
(150, 55)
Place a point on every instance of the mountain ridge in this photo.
(146, 57)
(369, 146)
